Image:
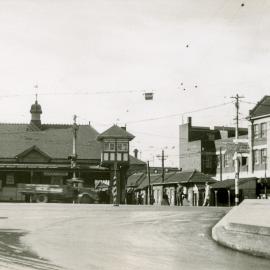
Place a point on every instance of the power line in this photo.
(178, 114)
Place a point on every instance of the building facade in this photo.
(216, 151)
(197, 146)
(38, 153)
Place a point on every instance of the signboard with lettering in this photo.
(55, 173)
(242, 148)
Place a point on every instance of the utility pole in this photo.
(220, 163)
(163, 172)
(236, 160)
(162, 157)
(236, 98)
(74, 152)
(149, 183)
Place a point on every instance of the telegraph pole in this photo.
(162, 165)
(163, 157)
(149, 183)
(236, 98)
(236, 160)
(74, 152)
(163, 171)
(220, 163)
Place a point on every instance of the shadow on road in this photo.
(15, 255)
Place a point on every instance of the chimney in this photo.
(124, 128)
(136, 153)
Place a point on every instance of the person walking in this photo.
(207, 195)
(195, 195)
(165, 199)
(179, 195)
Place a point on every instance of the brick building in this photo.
(214, 151)
(197, 147)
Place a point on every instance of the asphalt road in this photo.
(86, 237)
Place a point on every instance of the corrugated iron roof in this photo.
(185, 177)
(116, 132)
(230, 183)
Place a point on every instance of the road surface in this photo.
(91, 237)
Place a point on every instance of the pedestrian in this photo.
(75, 192)
(196, 195)
(165, 199)
(140, 198)
(179, 195)
(207, 195)
(152, 199)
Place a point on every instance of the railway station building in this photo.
(38, 153)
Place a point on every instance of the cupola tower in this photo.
(35, 114)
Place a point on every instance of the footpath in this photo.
(246, 228)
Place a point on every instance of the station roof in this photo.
(53, 141)
(230, 183)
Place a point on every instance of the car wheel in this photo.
(85, 199)
(41, 198)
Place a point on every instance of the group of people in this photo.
(181, 196)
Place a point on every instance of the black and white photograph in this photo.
(134, 134)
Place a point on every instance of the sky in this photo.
(97, 58)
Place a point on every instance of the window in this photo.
(263, 155)
(112, 156)
(244, 161)
(208, 162)
(57, 180)
(256, 131)
(109, 146)
(263, 130)
(125, 156)
(119, 157)
(226, 160)
(122, 147)
(256, 157)
(106, 156)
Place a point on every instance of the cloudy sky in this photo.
(97, 58)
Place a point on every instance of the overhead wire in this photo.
(178, 114)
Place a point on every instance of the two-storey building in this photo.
(198, 148)
(259, 138)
